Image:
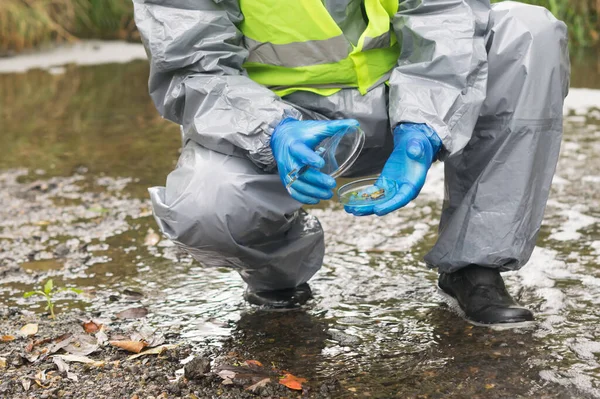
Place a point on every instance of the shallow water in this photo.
(81, 144)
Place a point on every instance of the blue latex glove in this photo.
(415, 146)
(293, 144)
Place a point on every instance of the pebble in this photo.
(197, 368)
(61, 250)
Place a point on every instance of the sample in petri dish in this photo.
(339, 151)
(367, 192)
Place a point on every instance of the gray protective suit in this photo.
(489, 79)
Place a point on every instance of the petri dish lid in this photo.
(341, 150)
(367, 192)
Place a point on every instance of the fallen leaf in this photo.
(352, 389)
(41, 385)
(153, 351)
(61, 338)
(31, 357)
(130, 346)
(101, 337)
(37, 342)
(151, 238)
(2, 363)
(133, 313)
(150, 336)
(61, 342)
(26, 382)
(253, 363)
(63, 367)
(489, 386)
(292, 382)
(80, 359)
(90, 327)
(29, 346)
(7, 338)
(259, 384)
(29, 329)
(82, 345)
(226, 374)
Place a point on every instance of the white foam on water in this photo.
(577, 118)
(595, 245)
(572, 377)
(569, 229)
(591, 179)
(557, 180)
(585, 349)
(93, 52)
(434, 185)
(539, 275)
(581, 100)
(373, 233)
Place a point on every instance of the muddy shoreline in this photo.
(178, 372)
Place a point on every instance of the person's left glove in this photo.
(415, 147)
(293, 144)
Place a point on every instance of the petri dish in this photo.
(339, 151)
(367, 192)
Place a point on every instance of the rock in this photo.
(16, 360)
(197, 368)
(81, 170)
(174, 390)
(61, 250)
(153, 375)
(343, 338)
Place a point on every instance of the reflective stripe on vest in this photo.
(296, 45)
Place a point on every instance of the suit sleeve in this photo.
(197, 80)
(441, 75)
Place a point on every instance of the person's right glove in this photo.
(293, 144)
(415, 147)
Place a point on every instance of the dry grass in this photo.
(30, 23)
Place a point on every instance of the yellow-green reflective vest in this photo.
(297, 45)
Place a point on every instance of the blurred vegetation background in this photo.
(30, 23)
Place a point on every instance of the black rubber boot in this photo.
(481, 294)
(281, 299)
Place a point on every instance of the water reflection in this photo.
(93, 119)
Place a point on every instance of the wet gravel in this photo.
(180, 372)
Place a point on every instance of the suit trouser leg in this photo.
(498, 186)
(226, 212)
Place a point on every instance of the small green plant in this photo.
(48, 293)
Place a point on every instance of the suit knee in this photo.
(537, 22)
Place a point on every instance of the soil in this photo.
(176, 373)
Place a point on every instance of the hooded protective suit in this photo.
(490, 80)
